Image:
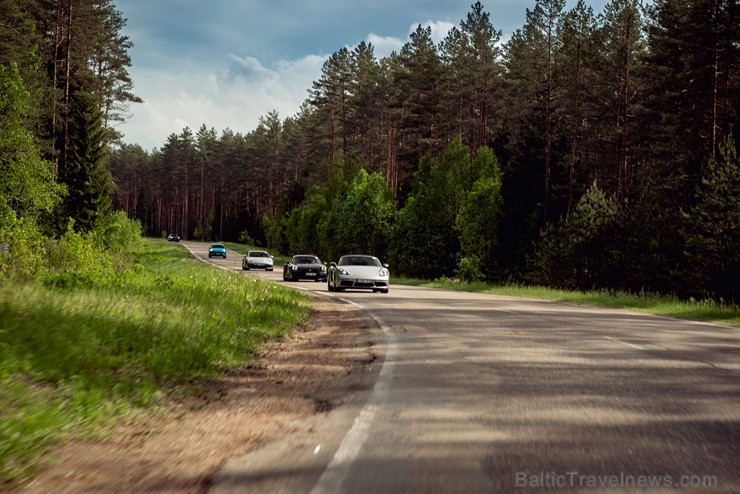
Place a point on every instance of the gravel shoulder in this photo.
(179, 452)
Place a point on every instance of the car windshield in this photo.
(306, 260)
(359, 261)
(217, 246)
(258, 254)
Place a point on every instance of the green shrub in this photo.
(21, 253)
(245, 238)
(118, 233)
(468, 269)
(78, 252)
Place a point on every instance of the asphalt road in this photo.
(481, 393)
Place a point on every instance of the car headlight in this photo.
(323, 269)
(343, 271)
(294, 268)
(383, 272)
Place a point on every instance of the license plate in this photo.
(310, 274)
(365, 281)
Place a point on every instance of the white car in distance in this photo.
(257, 259)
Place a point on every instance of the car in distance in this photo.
(217, 250)
(304, 267)
(257, 259)
(360, 272)
(173, 237)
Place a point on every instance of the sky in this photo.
(226, 63)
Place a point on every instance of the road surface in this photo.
(484, 394)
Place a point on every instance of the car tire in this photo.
(268, 269)
(328, 285)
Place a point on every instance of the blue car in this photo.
(217, 250)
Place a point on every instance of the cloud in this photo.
(250, 68)
(235, 98)
(385, 45)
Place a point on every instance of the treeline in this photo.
(613, 134)
(63, 86)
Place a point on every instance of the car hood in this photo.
(362, 271)
(263, 260)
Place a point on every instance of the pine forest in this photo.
(590, 150)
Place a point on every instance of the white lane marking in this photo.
(349, 449)
(631, 345)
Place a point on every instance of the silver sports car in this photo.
(358, 271)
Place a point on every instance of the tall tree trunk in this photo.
(68, 72)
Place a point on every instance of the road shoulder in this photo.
(306, 385)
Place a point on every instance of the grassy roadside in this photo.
(75, 357)
(662, 306)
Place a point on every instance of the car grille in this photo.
(353, 284)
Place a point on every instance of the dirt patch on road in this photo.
(177, 453)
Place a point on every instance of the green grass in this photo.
(78, 353)
(658, 305)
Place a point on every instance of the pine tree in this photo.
(365, 103)
(712, 233)
(620, 91)
(330, 95)
(575, 77)
(530, 64)
(694, 79)
(88, 182)
(575, 252)
(417, 82)
(473, 61)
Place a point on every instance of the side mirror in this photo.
(386, 266)
(333, 264)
